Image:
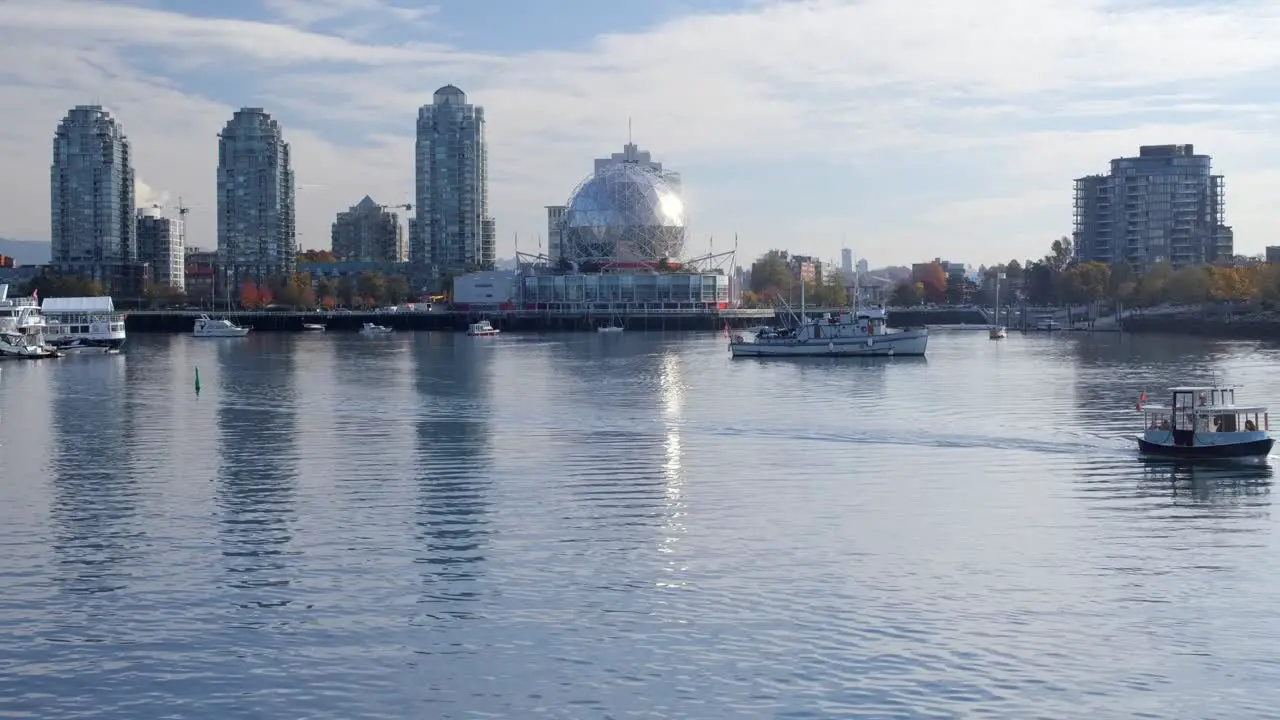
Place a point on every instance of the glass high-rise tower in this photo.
(257, 235)
(453, 231)
(93, 230)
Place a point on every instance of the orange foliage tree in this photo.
(250, 296)
(934, 283)
(329, 303)
(1233, 283)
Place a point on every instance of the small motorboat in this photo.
(609, 329)
(313, 327)
(997, 332)
(1204, 423)
(484, 327)
(208, 327)
(372, 329)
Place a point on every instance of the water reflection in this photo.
(1208, 483)
(257, 425)
(95, 498)
(452, 378)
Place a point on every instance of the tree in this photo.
(1122, 283)
(327, 288)
(934, 280)
(1084, 283)
(1188, 285)
(371, 286)
(328, 302)
(1228, 284)
(1013, 271)
(250, 296)
(316, 256)
(771, 273)
(1060, 254)
(906, 294)
(1151, 286)
(55, 284)
(1040, 283)
(163, 295)
(396, 290)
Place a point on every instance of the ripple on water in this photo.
(626, 526)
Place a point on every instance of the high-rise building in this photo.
(92, 198)
(555, 224)
(257, 236)
(846, 264)
(1165, 205)
(161, 244)
(368, 233)
(453, 230)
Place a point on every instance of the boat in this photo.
(208, 327)
(22, 328)
(484, 327)
(997, 331)
(609, 329)
(1047, 324)
(1204, 422)
(83, 324)
(372, 329)
(313, 327)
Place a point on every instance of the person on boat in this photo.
(1164, 424)
(1250, 426)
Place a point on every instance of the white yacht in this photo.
(208, 327)
(83, 324)
(1205, 423)
(860, 332)
(22, 328)
(372, 329)
(484, 327)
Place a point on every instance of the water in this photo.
(625, 526)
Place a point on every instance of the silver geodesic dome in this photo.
(627, 212)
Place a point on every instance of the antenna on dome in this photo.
(628, 129)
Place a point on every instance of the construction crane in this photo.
(407, 207)
(182, 209)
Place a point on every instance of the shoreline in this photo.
(1255, 326)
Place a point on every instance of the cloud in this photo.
(145, 196)
(936, 127)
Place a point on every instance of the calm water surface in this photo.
(634, 526)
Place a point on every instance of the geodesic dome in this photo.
(627, 212)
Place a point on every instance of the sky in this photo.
(903, 129)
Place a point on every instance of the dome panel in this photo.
(626, 212)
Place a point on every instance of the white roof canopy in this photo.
(77, 305)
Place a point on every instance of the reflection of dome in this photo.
(624, 212)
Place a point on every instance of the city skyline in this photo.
(957, 152)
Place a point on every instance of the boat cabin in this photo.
(1207, 409)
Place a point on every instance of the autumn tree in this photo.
(770, 273)
(316, 256)
(934, 281)
(250, 296)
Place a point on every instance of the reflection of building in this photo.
(453, 461)
(1165, 205)
(627, 213)
(368, 233)
(160, 245)
(94, 505)
(257, 237)
(92, 198)
(453, 229)
(257, 469)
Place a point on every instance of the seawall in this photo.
(1240, 327)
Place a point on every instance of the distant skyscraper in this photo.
(91, 193)
(863, 267)
(846, 263)
(368, 233)
(453, 230)
(161, 244)
(1163, 206)
(257, 236)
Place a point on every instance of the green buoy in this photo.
(197, 381)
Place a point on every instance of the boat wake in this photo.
(1074, 445)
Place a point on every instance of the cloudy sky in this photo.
(907, 129)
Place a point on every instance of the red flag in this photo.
(35, 293)
(1142, 399)
(726, 328)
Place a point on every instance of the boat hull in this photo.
(226, 333)
(86, 345)
(907, 343)
(1259, 448)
